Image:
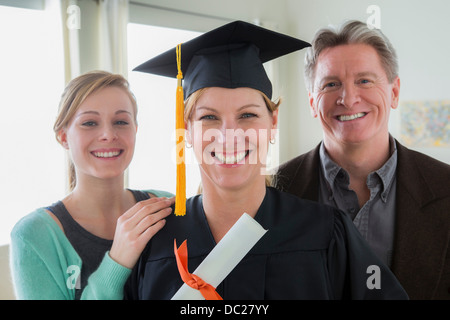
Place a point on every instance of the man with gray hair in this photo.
(399, 199)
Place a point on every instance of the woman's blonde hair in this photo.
(76, 92)
(192, 100)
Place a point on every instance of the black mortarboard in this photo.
(230, 56)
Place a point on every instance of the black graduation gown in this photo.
(310, 251)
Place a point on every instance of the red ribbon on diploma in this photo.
(193, 281)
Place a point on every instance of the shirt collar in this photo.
(386, 173)
(329, 168)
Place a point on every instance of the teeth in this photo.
(106, 154)
(351, 117)
(231, 159)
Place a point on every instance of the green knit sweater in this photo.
(44, 265)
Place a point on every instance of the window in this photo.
(153, 165)
(32, 163)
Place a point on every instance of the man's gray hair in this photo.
(350, 32)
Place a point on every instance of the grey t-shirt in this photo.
(89, 247)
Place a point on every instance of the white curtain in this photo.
(113, 20)
(95, 36)
(71, 18)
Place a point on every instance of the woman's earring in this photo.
(187, 145)
(272, 141)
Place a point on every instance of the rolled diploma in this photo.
(222, 259)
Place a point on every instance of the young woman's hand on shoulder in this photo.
(136, 227)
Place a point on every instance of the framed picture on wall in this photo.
(425, 124)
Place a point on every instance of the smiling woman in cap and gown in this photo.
(310, 251)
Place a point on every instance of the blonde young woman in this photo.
(310, 251)
(84, 246)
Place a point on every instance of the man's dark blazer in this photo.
(421, 257)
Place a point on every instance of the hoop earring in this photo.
(187, 145)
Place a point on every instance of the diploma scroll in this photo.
(224, 257)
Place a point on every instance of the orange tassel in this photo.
(180, 196)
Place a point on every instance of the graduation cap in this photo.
(230, 56)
